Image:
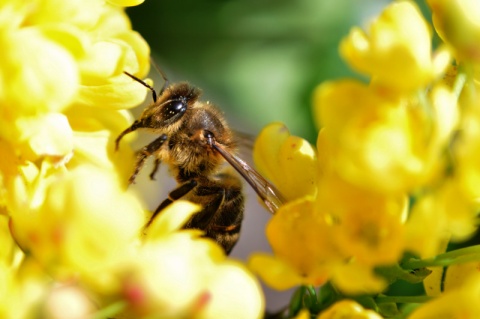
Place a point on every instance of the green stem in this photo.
(110, 311)
(402, 299)
(459, 256)
(296, 302)
(459, 83)
(312, 292)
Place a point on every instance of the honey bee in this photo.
(194, 140)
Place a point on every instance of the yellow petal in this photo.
(71, 12)
(51, 135)
(8, 164)
(300, 236)
(274, 272)
(368, 226)
(172, 218)
(461, 302)
(354, 278)
(102, 61)
(162, 281)
(141, 65)
(113, 20)
(121, 93)
(69, 37)
(456, 21)
(266, 148)
(303, 314)
(245, 301)
(288, 161)
(45, 135)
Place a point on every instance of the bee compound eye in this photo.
(174, 108)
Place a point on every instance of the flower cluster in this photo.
(71, 238)
(395, 173)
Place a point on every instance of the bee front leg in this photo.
(146, 152)
(156, 165)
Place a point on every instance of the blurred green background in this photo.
(259, 61)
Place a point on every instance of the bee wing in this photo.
(244, 141)
(265, 190)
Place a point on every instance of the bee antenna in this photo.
(165, 83)
(154, 94)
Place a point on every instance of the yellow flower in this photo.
(384, 142)
(298, 236)
(456, 21)
(178, 274)
(86, 220)
(79, 59)
(304, 240)
(396, 51)
(288, 161)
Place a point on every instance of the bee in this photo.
(194, 140)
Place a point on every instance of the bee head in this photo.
(167, 110)
(170, 106)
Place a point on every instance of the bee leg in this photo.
(146, 152)
(156, 165)
(177, 193)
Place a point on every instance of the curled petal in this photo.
(122, 92)
(456, 21)
(274, 272)
(101, 62)
(288, 161)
